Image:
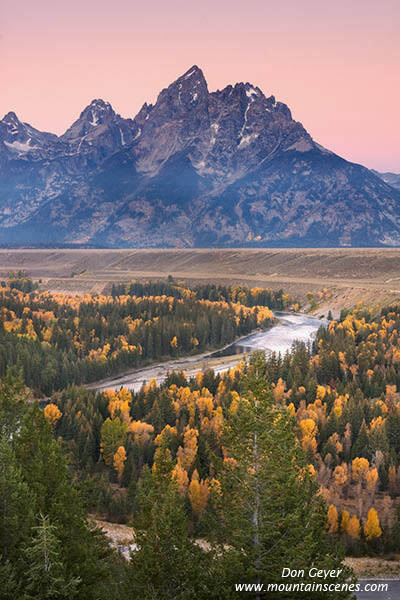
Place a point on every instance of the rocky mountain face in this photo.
(392, 179)
(226, 168)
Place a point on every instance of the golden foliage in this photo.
(360, 468)
(141, 431)
(119, 461)
(52, 413)
(372, 528)
(353, 527)
(344, 521)
(181, 477)
(187, 454)
(198, 494)
(332, 519)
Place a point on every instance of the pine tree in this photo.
(46, 575)
(84, 552)
(268, 513)
(10, 585)
(13, 398)
(362, 447)
(15, 505)
(167, 563)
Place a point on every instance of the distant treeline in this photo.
(256, 296)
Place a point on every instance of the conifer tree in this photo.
(46, 575)
(10, 585)
(13, 397)
(362, 447)
(15, 505)
(268, 513)
(84, 552)
(167, 563)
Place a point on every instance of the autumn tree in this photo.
(353, 527)
(52, 413)
(119, 461)
(372, 528)
(332, 519)
(198, 493)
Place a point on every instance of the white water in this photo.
(291, 328)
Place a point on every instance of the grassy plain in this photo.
(349, 274)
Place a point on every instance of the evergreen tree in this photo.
(167, 563)
(10, 586)
(46, 575)
(84, 552)
(15, 505)
(362, 448)
(268, 513)
(13, 397)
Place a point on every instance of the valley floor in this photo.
(349, 275)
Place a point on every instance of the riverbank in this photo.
(279, 338)
(374, 566)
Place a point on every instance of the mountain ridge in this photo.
(197, 168)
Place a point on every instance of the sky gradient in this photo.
(336, 64)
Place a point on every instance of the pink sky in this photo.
(335, 63)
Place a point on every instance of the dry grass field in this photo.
(349, 274)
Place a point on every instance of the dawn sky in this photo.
(336, 64)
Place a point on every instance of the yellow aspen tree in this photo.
(372, 528)
(312, 471)
(344, 521)
(119, 462)
(187, 454)
(371, 478)
(142, 432)
(52, 413)
(198, 494)
(279, 390)
(353, 527)
(181, 477)
(360, 467)
(340, 475)
(332, 524)
(309, 430)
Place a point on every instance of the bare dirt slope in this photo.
(349, 274)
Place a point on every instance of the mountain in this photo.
(197, 168)
(392, 179)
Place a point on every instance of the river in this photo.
(374, 589)
(290, 327)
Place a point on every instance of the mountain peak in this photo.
(186, 93)
(194, 71)
(11, 119)
(100, 104)
(192, 79)
(97, 111)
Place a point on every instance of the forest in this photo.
(345, 406)
(59, 339)
(225, 478)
